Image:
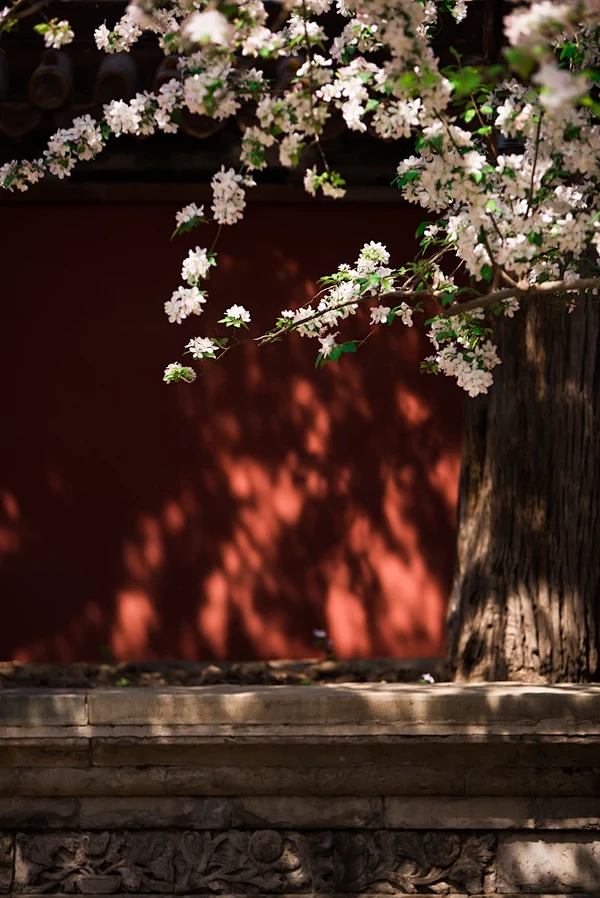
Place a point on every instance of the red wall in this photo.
(229, 518)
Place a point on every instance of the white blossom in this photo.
(196, 266)
(379, 314)
(209, 26)
(184, 301)
(201, 347)
(238, 313)
(229, 200)
(123, 36)
(189, 213)
(328, 344)
(405, 313)
(559, 87)
(122, 117)
(58, 34)
(176, 372)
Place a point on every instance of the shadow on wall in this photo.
(227, 519)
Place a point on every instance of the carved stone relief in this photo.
(241, 862)
(6, 863)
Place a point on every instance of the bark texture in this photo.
(525, 601)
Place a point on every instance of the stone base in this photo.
(324, 791)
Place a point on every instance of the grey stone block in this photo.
(308, 812)
(47, 707)
(567, 813)
(291, 812)
(533, 781)
(38, 813)
(41, 752)
(459, 813)
(280, 750)
(154, 813)
(539, 863)
(492, 813)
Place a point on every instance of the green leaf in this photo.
(408, 177)
(469, 115)
(422, 228)
(486, 273)
(42, 28)
(338, 351)
(521, 60)
(568, 51)
(465, 81)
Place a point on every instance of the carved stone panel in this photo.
(245, 862)
(6, 862)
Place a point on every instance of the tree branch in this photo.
(479, 302)
(546, 289)
(21, 13)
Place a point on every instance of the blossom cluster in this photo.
(56, 33)
(509, 168)
(121, 38)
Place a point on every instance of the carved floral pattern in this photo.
(251, 862)
(6, 863)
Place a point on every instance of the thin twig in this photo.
(535, 158)
(217, 235)
(488, 139)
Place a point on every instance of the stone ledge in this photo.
(278, 749)
(532, 708)
(400, 709)
(251, 777)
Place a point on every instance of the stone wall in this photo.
(298, 791)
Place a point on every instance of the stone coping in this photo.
(374, 709)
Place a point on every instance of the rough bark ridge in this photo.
(526, 593)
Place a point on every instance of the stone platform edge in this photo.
(503, 708)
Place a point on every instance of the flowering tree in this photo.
(506, 163)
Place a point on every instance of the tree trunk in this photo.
(525, 602)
